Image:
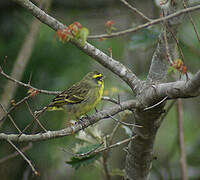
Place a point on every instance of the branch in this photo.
(27, 85)
(173, 90)
(119, 69)
(105, 163)
(22, 59)
(96, 151)
(105, 98)
(166, 48)
(15, 106)
(10, 117)
(191, 20)
(54, 24)
(75, 128)
(26, 148)
(24, 157)
(142, 26)
(35, 118)
(116, 67)
(183, 162)
(135, 10)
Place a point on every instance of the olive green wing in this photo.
(74, 95)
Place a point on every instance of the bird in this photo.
(81, 97)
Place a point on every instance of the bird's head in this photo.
(95, 77)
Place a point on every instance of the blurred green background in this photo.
(55, 66)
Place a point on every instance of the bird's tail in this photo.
(40, 111)
(47, 108)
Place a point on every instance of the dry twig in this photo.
(135, 10)
(24, 157)
(192, 22)
(183, 162)
(15, 106)
(26, 148)
(34, 117)
(10, 117)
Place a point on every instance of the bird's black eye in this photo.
(98, 76)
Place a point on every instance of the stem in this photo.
(183, 163)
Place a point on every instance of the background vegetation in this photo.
(55, 66)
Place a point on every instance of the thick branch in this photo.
(126, 74)
(72, 129)
(153, 94)
(174, 90)
(140, 151)
(182, 159)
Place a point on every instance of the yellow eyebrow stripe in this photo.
(97, 75)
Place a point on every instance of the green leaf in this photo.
(86, 149)
(76, 162)
(84, 32)
(171, 70)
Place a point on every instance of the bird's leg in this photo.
(87, 116)
(81, 120)
(96, 110)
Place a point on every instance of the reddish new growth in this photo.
(109, 27)
(64, 34)
(110, 51)
(178, 64)
(69, 32)
(109, 23)
(32, 92)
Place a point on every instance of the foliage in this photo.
(78, 161)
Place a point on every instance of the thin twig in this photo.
(173, 35)
(160, 102)
(54, 24)
(10, 117)
(183, 162)
(153, 22)
(192, 22)
(27, 85)
(24, 157)
(106, 98)
(124, 123)
(113, 132)
(135, 10)
(105, 162)
(106, 148)
(178, 45)
(166, 42)
(82, 154)
(26, 148)
(30, 77)
(35, 118)
(116, 144)
(15, 106)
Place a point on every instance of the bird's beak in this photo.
(103, 77)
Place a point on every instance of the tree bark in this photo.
(140, 151)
